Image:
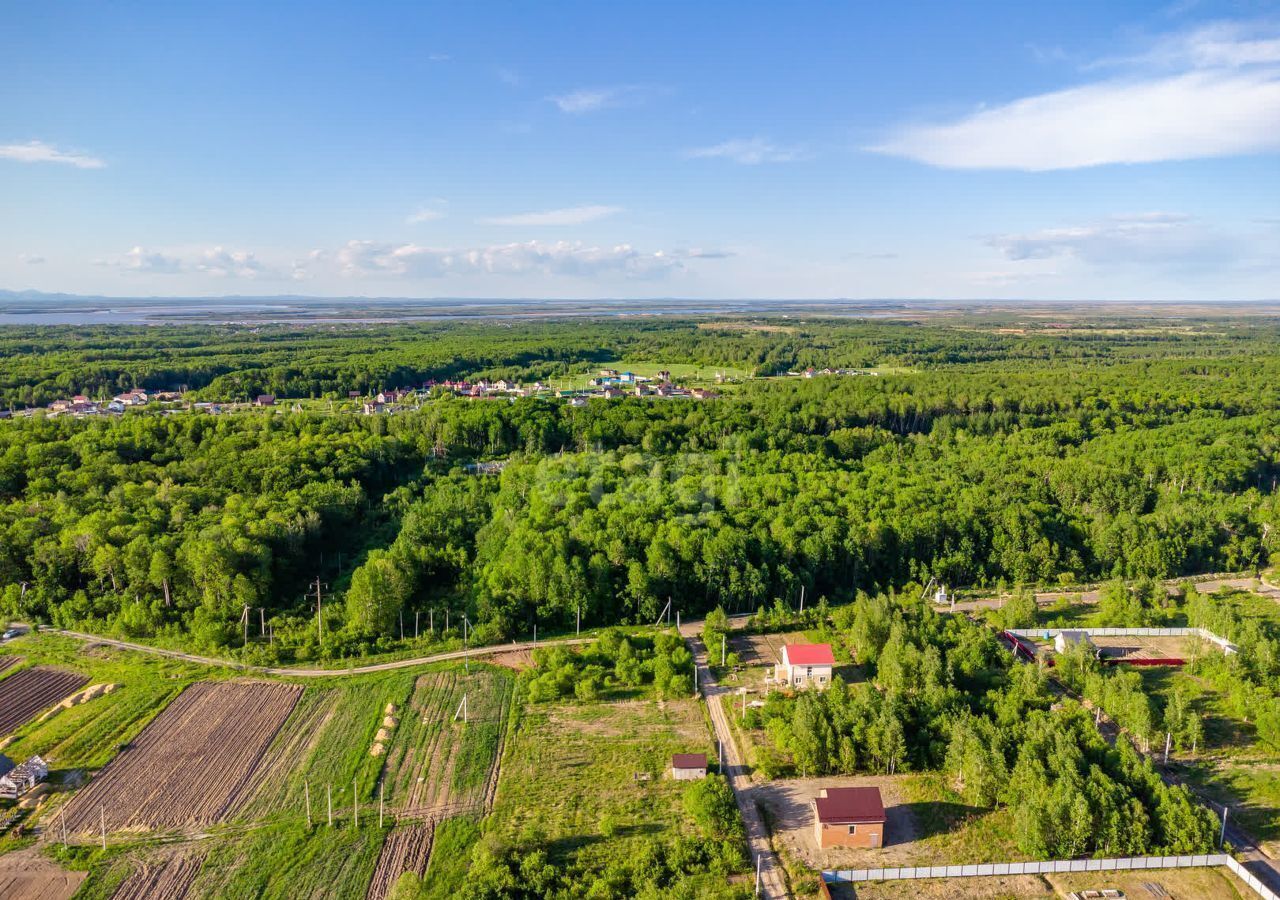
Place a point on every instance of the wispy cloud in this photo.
(426, 213)
(563, 258)
(438, 57)
(1144, 238)
(214, 261)
(589, 100)
(573, 215)
(31, 259)
(748, 152)
(39, 151)
(1214, 92)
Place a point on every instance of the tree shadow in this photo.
(930, 817)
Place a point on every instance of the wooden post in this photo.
(802, 599)
(262, 622)
(577, 631)
(328, 795)
(355, 804)
(431, 620)
(757, 890)
(1168, 738)
(307, 787)
(102, 818)
(1222, 838)
(62, 814)
(402, 624)
(381, 801)
(744, 704)
(416, 614)
(724, 646)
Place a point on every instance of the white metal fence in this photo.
(1131, 863)
(1048, 633)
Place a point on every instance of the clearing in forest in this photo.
(189, 765)
(407, 849)
(25, 693)
(437, 763)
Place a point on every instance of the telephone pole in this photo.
(317, 584)
(307, 787)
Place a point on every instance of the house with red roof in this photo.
(688, 766)
(805, 665)
(848, 817)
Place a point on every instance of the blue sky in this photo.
(1084, 150)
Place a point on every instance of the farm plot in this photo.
(325, 742)
(437, 764)
(7, 661)
(189, 765)
(25, 693)
(165, 878)
(29, 875)
(406, 849)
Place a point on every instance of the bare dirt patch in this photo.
(29, 875)
(1011, 887)
(161, 878)
(25, 693)
(788, 806)
(406, 849)
(513, 659)
(190, 764)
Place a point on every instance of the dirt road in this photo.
(1045, 598)
(317, 673)
(772, 883)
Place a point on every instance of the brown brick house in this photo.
(848, 817)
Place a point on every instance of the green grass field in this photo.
(570, 775)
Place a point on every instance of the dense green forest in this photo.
(984, 458)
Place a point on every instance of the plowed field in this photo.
(25, 693)
(191, 763)
(407, 849)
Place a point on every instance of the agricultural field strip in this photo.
(168, 880)
(25, 693)
(189, 764)
(407, 849)
(7, 661)
(293, 745)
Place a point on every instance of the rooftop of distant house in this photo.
(849, 805)
(809, 655)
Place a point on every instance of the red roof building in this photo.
(805, 665)
(688, 766)
(849, 817)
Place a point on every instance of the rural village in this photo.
(377, 759)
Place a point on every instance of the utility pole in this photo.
(431, 621)
(319, 610)
(416, 614)
(245, 620)
(724, 646)
(802, 599)
(577, 632)
(355, 804)
(466, 652)
(402, 624)
(1222, 838)
(102, 819)
(1168, 738)
(307, 787)
(328, 795)
(758, 859)
(381, 801)
(63, 816)
(744, 704)
(262, 622)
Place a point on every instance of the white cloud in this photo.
(30, 259)
(215, 261)
(748, 152)
(588, 100)
(139, 259)
(1215, 92)
(424, 214)
(229, 263)
(39, 151)
(564, 258)
(439, 57)
(574, 215)
(1146, 238)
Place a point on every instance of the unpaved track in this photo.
(772, 883)
(317, 673)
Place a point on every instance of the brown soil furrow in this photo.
(168, 880)
(406, 849)
(25, 693)
(7, 661)
(191, 763)
(296, 742)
